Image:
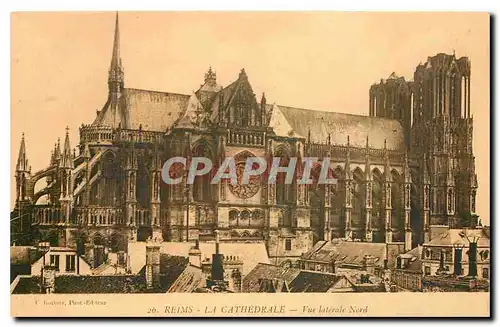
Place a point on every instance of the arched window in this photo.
(378, 214)
(338, 192)
(317, 201)
(397, 216)
(358, 203)
(201, 185)
(143, 188)
(245, 218)
(111, 176)
(282, 190)
(450, 200)
(233, 218)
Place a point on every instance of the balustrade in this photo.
(99, 216)
(245, 138)
(90, 216)
(91, 134)
(48, 215)
(143, 217)
(139, 136)
(356, 154)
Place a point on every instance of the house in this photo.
(267, 278)
(452, 252)
(21, 259)
(350, 256)
(321, 282)
(162, 273)
(252, 282)
(249, 254)
(407, 273)
(64, 260)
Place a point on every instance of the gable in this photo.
(238, 104)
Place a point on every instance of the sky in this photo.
(317, 60)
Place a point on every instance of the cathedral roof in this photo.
(159, 111)
(153, 110)
(340, 125)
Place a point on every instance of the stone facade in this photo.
(392, 175)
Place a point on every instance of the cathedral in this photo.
(404, 172)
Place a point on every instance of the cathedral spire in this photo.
(115, 77)
(22, 160)
(115, 58)
(263, 109)
(210, 77)
(67, 156)
(57, 151)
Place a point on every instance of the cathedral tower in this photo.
(392, 98)
(442, 131)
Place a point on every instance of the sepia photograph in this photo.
(318, 155)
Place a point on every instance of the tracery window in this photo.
(201, 185)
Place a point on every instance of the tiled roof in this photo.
(370, 288)
(153, 110)
(251, 282)
(250, 253)
(340, 125)
(415, 259)
(21, 259)
(457, 236)
(171, 267)
(346, 252)
(313, 282)
(21, 255)
(190, 279)
(100, 284)
(27, 285)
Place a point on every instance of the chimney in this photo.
(48, 279)
(217, 261)
(217, 240)
(152, 265)
(457, 262)
(369, 264)
(441, 262)
(236, 279)
(332, 267)
(195, 255)
(473, 259)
